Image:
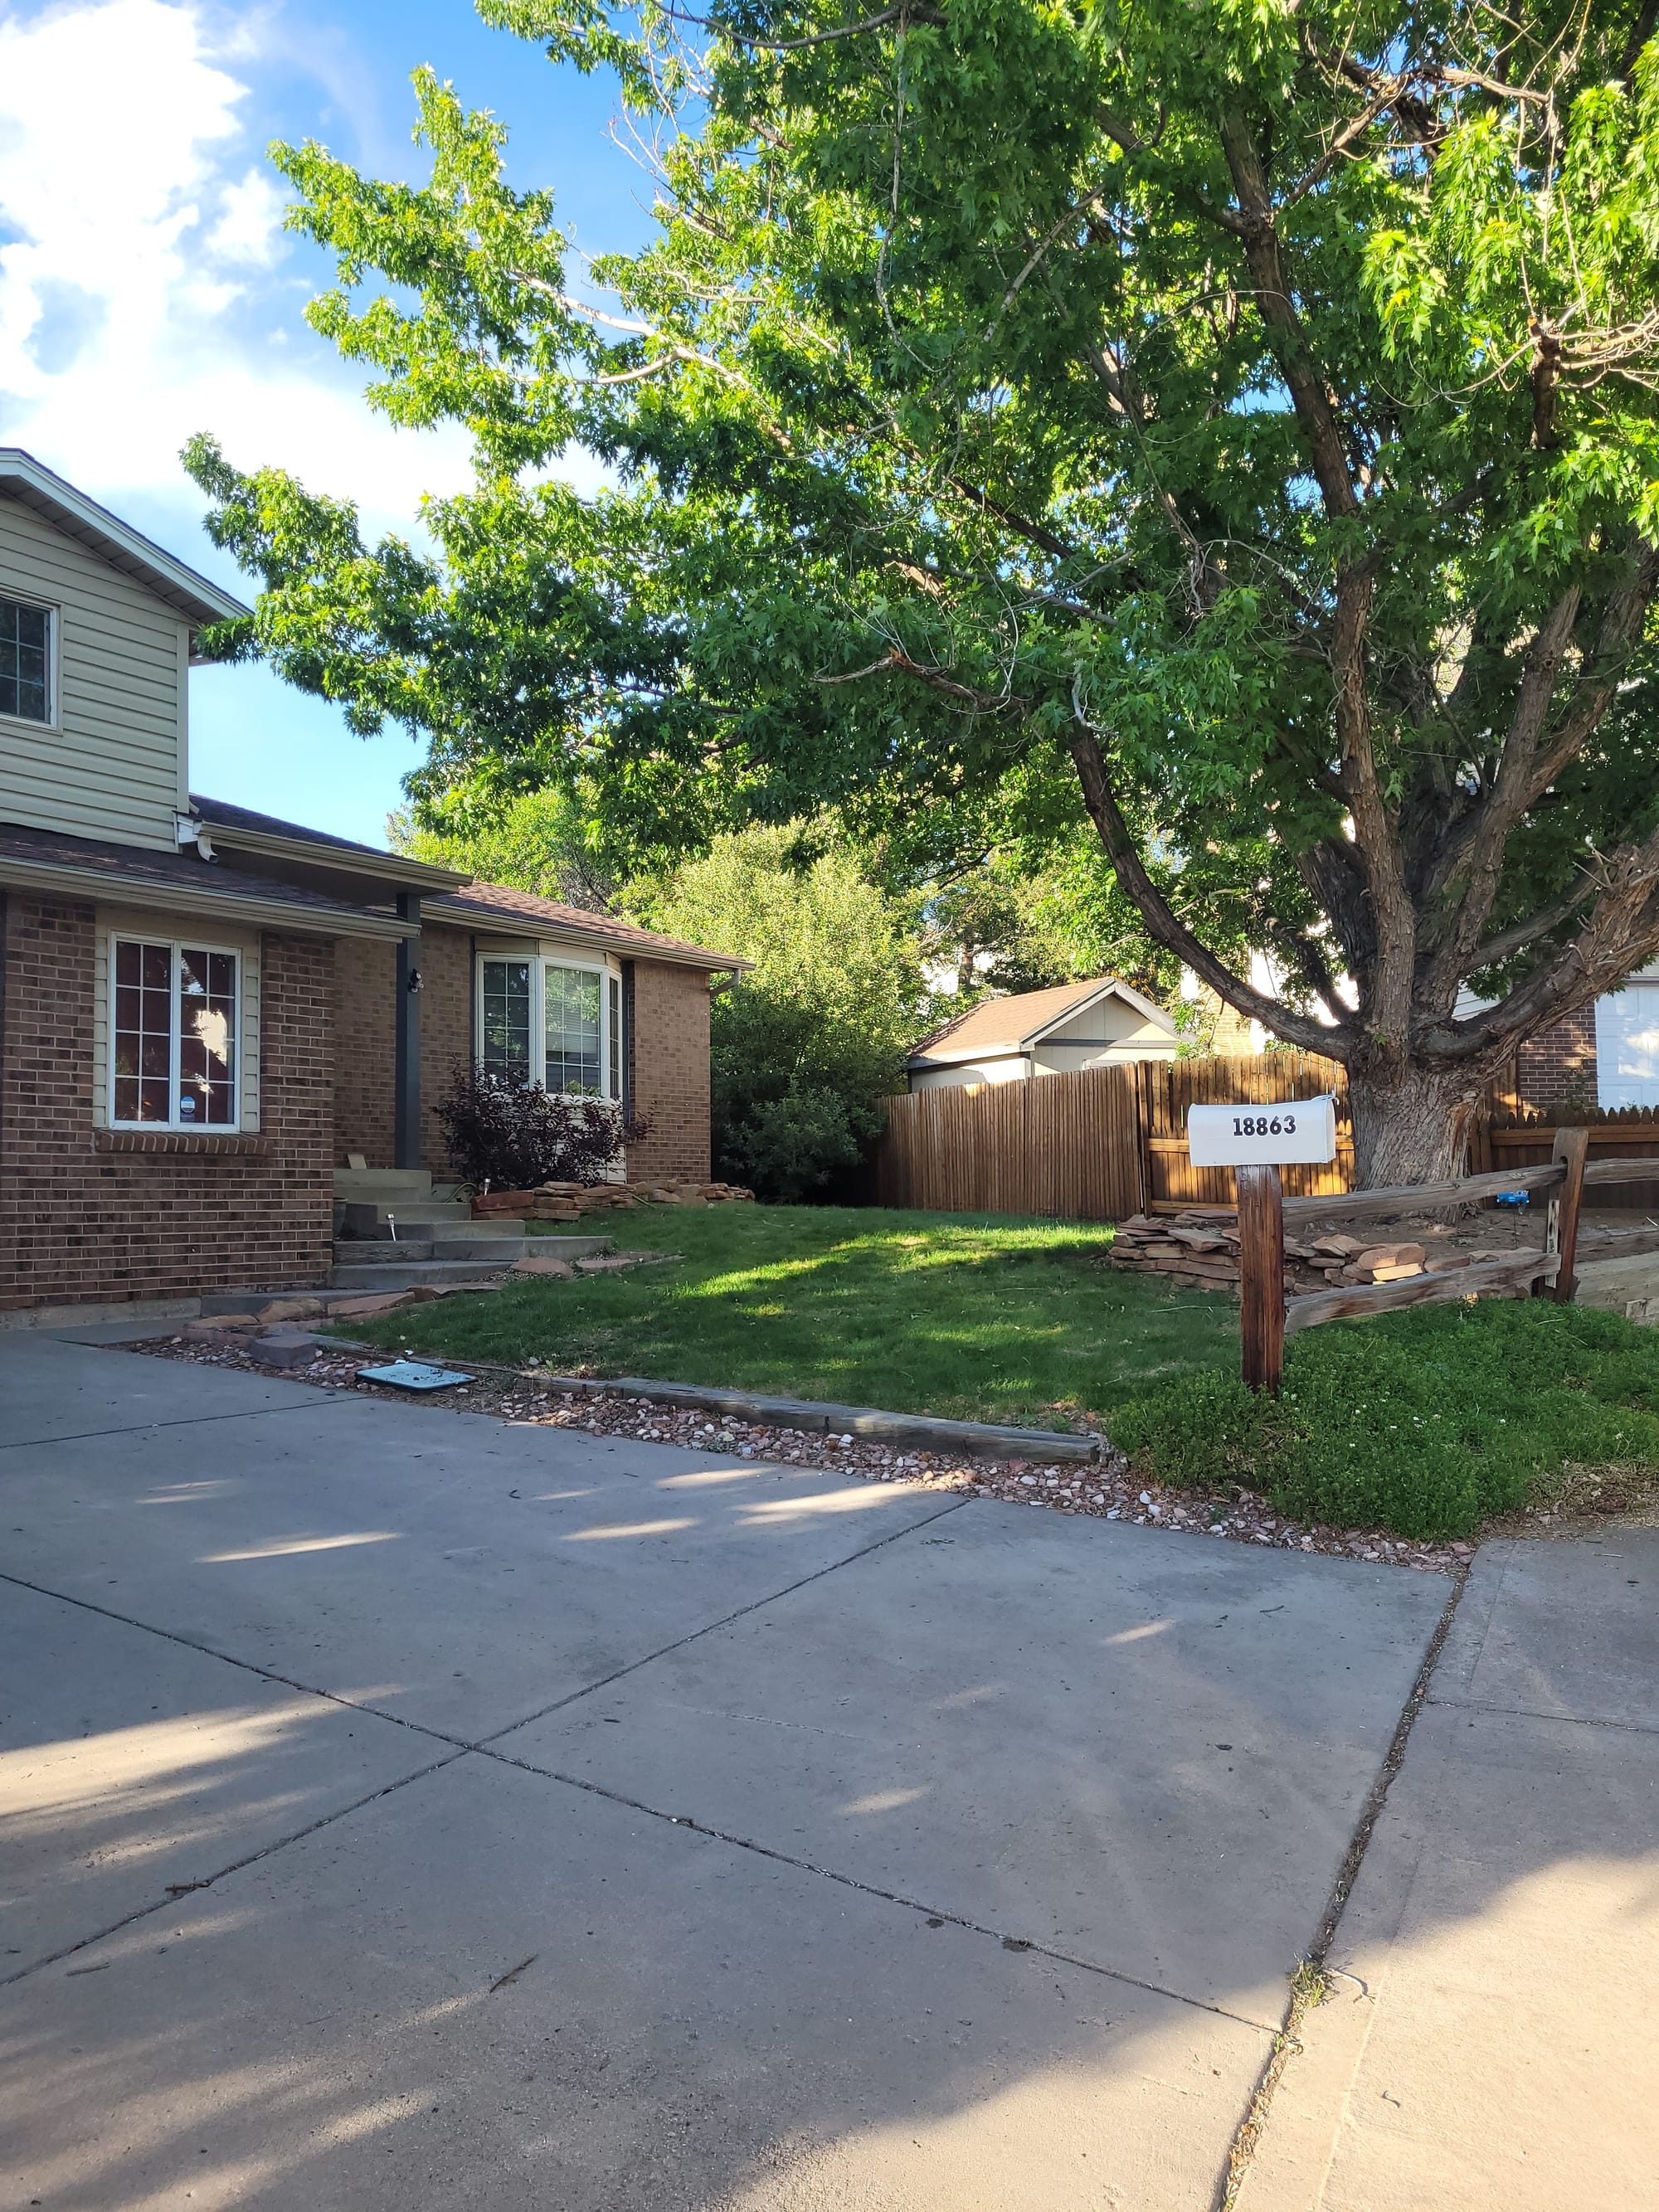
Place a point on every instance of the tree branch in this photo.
(1480, 862)
(897, 662)
(1520, 934)
(1164, 925)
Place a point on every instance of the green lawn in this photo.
(977, 1319)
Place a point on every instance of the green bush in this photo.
(1424, 1422)
(806, 1043)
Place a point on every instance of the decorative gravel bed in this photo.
(1108, 1490)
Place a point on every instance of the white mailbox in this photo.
(1296, 1130)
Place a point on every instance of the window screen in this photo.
(506, 1010)
(573, 1030)
(25, 661)
(207, 1039)
(174, 1036)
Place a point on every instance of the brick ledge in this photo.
(172, 1144)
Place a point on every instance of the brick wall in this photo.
(92, 1216)
(365, 1041)
(1558, 1066)
(670, 1071)
(670, 1052)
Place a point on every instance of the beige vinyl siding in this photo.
(162, 928)
(112, 762)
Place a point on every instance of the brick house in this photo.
(204, 1013)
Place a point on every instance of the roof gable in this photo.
(1016, 1023)
(27, 481)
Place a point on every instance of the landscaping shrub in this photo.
(788, 1148)
(1423, 1422)
(513, 1136)
(806, 1044)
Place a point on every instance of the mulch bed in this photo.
(1107, 1492)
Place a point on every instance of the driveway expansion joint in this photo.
(1287, 2044)
(153, 1428)
(709, 1628)
(1534, 1713)
(176, 1891)
(935, 1913)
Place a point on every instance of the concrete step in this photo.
(473, 1251)
(386, 1185)
(410, 1274)
(359, 1217)
(353, 1273)
(381, 1251)
(440, 1240)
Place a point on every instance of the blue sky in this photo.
(147, 289)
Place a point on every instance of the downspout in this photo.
(406, 1061)
(628, 1040)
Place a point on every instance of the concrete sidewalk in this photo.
(1493, 2045)
(402, 1807)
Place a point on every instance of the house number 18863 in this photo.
(1258, 1125)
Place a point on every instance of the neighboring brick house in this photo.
(1606, 1056)
(204, 1011)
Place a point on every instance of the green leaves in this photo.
(1003, 368)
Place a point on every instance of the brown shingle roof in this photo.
(196, 882)
(1004, 1025)
(482, 906)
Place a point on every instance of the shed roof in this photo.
(1015, 1023)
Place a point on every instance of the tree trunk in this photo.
(1412, 1126)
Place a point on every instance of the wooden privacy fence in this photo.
(1097, 1145)
(1064, 1145)
(1505, 1138)
(1112, 1142)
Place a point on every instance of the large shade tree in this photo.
(1232, 422)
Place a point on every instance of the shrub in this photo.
(790, 1147)
(1424, 1422)
(806, 1044)
(516, 1135)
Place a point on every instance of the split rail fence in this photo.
(1109, 1142)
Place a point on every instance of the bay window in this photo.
(552, 1022)
(173, 1036)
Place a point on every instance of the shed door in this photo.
(1628, 1047)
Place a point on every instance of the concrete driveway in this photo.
(403, 1808)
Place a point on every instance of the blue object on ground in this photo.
(1513, 1198)
(413, 1375)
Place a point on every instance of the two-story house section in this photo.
(206, 1013)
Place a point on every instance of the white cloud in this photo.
(250, 225)
(143, 293)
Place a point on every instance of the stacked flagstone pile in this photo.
(577, 1201)
(1202, 1249)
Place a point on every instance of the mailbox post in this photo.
(1255, 1141)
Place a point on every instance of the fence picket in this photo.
(1107, 1142)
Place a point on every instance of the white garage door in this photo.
(1628, 1047)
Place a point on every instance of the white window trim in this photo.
(539, 959)
(54, 614)
(177, 1126)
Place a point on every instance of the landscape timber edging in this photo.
(977, 1439)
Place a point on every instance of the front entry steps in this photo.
(394, 1231)
(357, 1272)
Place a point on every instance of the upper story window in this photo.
(25, 661)
(553, 1023)
(174, 1032)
